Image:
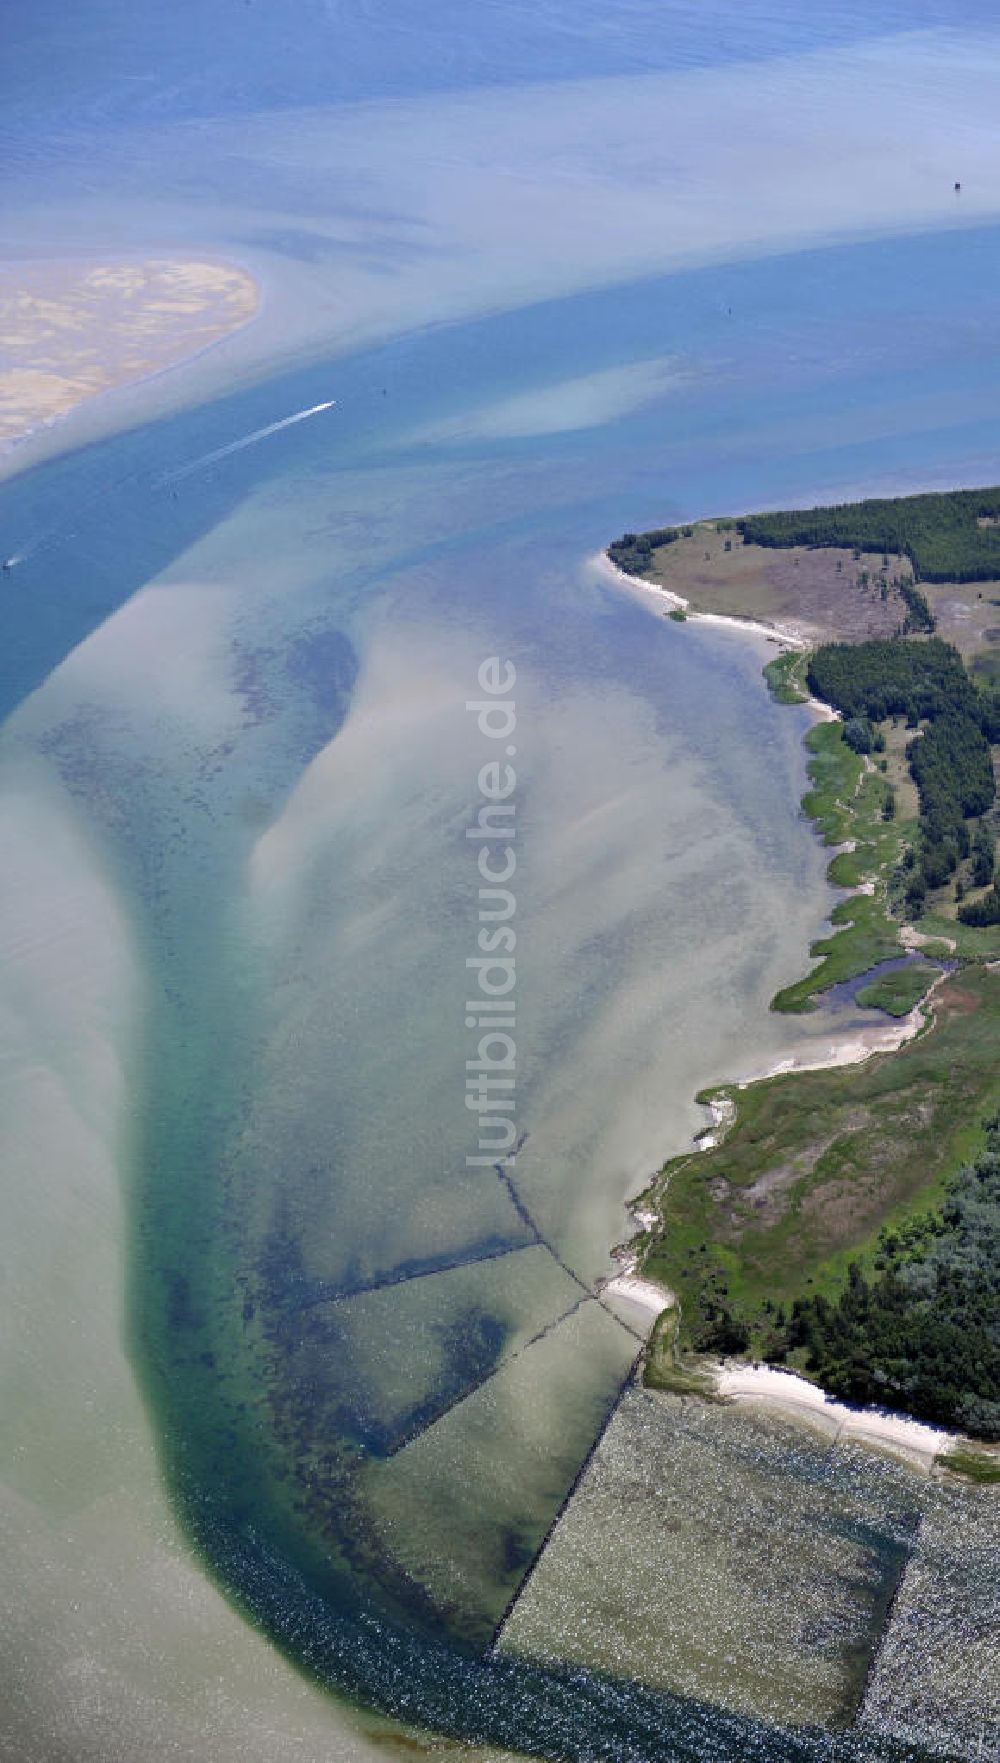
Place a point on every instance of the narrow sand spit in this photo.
(799, 1398)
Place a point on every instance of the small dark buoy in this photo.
(957, 188)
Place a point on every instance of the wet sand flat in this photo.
(70, 330)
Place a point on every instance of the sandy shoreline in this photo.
(846, 1050)
(768, 1385)
(785, 635)
(856, 1048)
(644, 1293)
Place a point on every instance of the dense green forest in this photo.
(924, 1334)
(940, 532)
(949, 757)
(633, 552)
(889, 677)
(985, 911)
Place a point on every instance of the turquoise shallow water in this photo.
(375, 1369)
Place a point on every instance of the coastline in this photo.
(634, 1288)
(642, 590)
(794, 1397)
(864, 1044)
(772, 1386)
(917, 1442)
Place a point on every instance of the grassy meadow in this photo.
(816, 1163)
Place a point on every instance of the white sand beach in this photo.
(798, 1398)
(639, 1301)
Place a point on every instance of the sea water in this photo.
(236, 681)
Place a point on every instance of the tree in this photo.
(983, 912)
(984, 857)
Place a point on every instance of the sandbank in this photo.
(70, 330)
(115, 1641)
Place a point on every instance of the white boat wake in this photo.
(63, 530)
(262, 434)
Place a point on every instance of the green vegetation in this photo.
(919, 617)
(785, 677)
(968, 944)
(924, 1334)
(864, 935)
(662, 1369)
(983, 857)
(949, 536)
(978, 1466)
(891, 677)
(949, 757)
(849, 1222)
(940, 533)
(952, 768)
(936, 948)
(678, 614)
(862, 736)
(835, 774)
(633, 552)
(898, 992)
(848, 802)
(814, 1166)
(984, 912)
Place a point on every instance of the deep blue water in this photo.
(841, 369)
(106, 60)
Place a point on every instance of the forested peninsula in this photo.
(846, 1222)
